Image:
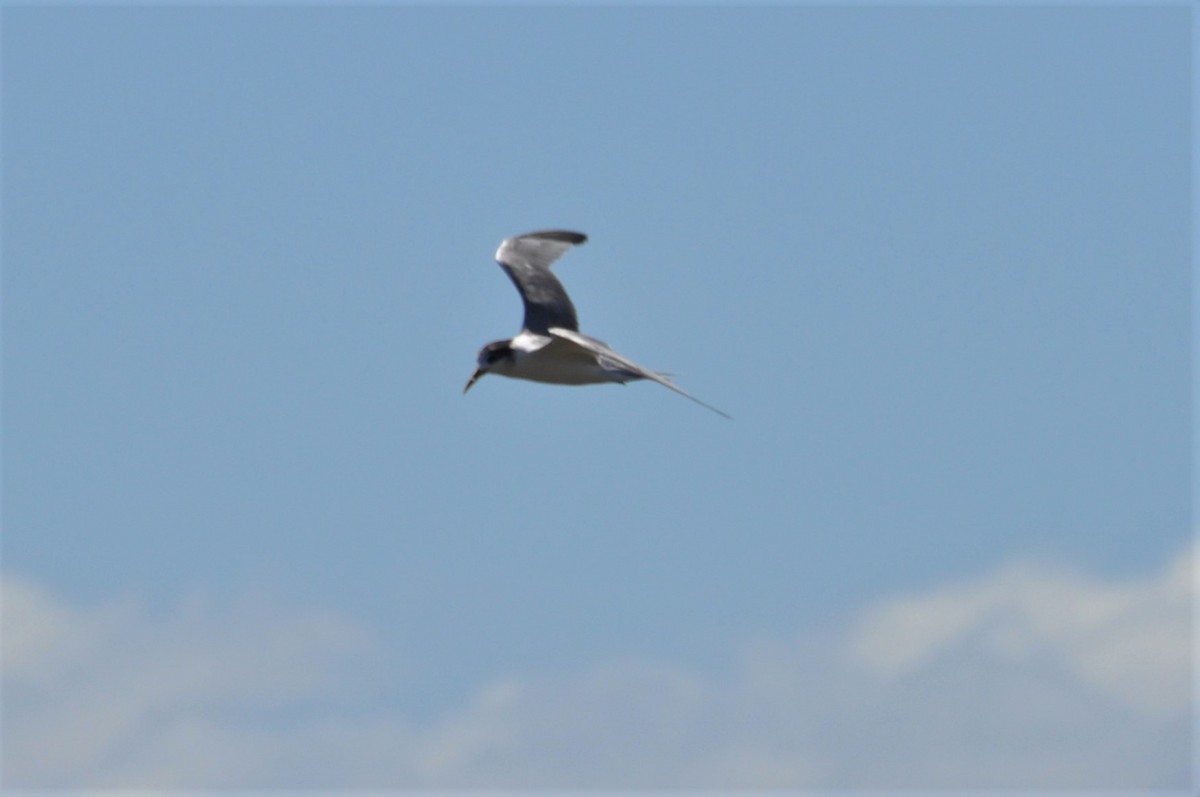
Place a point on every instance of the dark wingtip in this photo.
(566, 236)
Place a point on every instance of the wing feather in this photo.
(610, 358)
(527, 260)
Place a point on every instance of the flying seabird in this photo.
(550, 348)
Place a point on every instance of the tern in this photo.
(550, 348)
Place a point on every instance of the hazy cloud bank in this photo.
(1026, 677)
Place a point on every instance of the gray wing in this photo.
(526, 259)
(610, 359)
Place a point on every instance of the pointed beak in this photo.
(474, 378)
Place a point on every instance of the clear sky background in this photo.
(935, 261)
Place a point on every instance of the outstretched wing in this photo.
(526, 259)
(610, 359)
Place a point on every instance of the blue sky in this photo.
(935, 261)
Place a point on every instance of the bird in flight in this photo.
(550, 347)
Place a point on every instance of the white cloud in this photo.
(86, 689)
(1026, 677)
(1127, 640)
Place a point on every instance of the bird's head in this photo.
(499, 351)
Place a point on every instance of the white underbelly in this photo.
(557, 372)
(557, 363)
